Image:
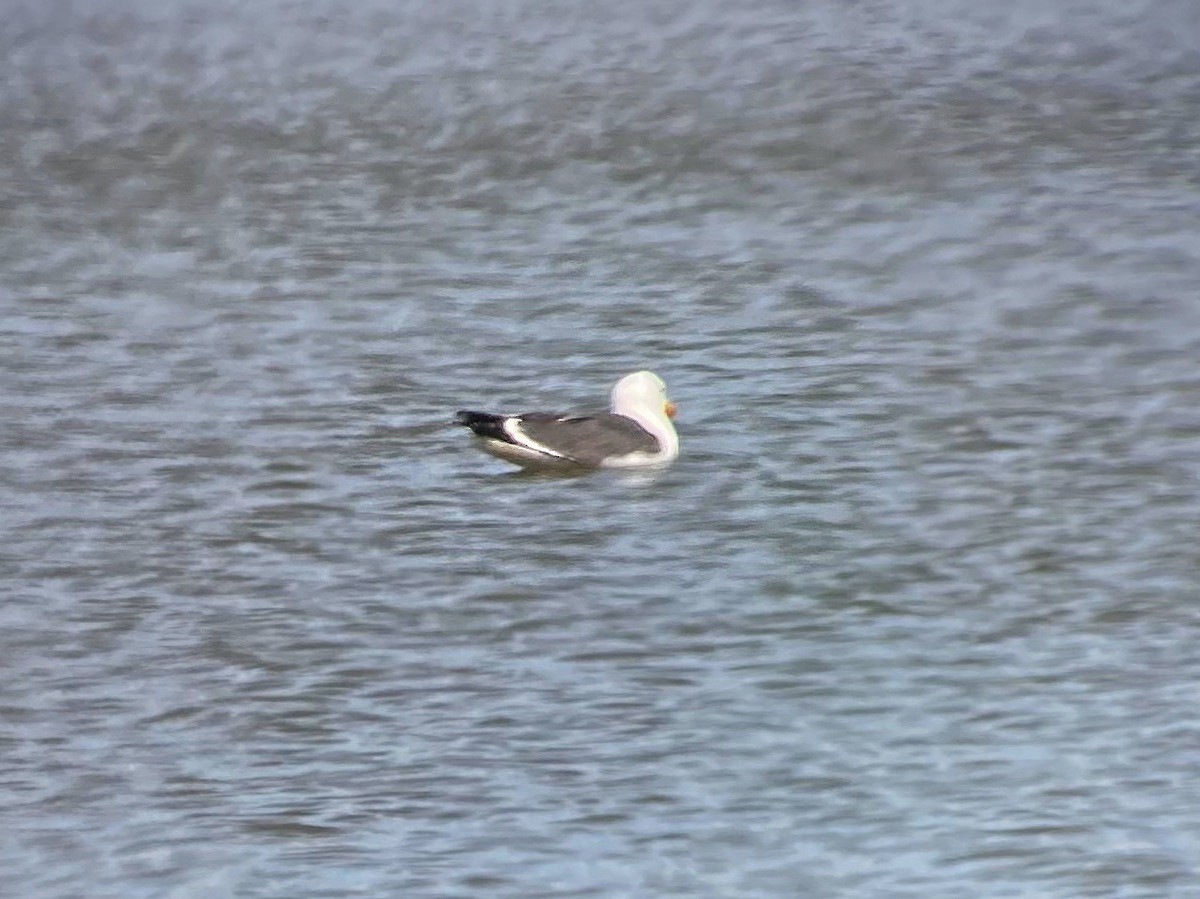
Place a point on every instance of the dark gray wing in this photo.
(588, 439)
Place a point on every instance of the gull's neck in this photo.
(657, 423)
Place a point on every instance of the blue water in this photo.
(913, 615)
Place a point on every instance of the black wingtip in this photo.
(484, 424)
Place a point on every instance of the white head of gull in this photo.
(637, 433)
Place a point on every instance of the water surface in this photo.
(914, 614)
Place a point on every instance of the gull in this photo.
(636, 433)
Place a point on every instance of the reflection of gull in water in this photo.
(637, 433)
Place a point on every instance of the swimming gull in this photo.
(637, 433)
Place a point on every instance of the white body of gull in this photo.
(637, 433)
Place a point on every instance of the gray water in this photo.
(916, 612)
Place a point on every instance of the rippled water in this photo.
(916, 612)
